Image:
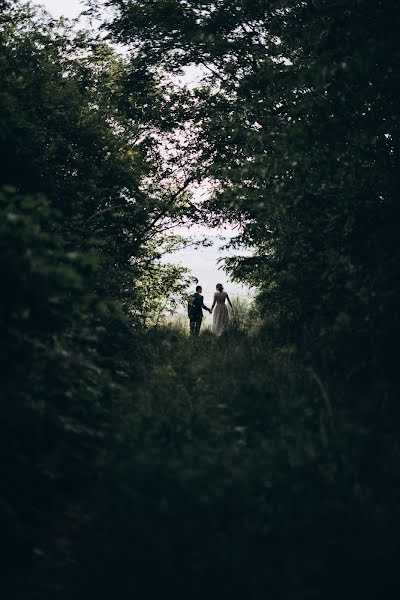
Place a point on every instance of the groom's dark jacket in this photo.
(195, 307)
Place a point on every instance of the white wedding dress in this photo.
(220, 314)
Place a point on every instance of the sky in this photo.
(65, 8)
(202, 262)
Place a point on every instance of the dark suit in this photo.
(195, 312)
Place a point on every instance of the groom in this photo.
(195, 311)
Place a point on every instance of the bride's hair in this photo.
(219, 287)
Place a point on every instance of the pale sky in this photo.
(203, 262)
(65, 8)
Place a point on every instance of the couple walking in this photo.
(220, 316)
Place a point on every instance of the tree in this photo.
(300, 135)
(81, 227)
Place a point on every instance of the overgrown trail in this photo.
(211, 445)
(220, 477)
(210, 471)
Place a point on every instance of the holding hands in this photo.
(221, 315)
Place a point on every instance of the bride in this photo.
(220, 315)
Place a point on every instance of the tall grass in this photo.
(244, 317)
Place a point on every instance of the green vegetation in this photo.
(137, 462)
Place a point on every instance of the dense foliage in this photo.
(137, 462)
(298, 119)
(81, 237)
